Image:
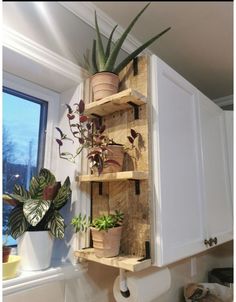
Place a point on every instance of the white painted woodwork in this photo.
(215, 181)
(229, 124)
(177, 191)
(191, 189)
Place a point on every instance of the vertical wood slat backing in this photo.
(121, 195)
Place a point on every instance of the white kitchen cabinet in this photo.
(190, 182)
(215, 179)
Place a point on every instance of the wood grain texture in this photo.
(120, 194)
(126, 262)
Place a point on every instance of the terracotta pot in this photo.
(104, 84)
(106, 243)
(115, 152)
(6, 250)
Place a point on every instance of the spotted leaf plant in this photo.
(38, 209)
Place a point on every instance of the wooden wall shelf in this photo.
(120, 101)
(110, 177)
(129, 263)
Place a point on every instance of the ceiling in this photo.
(199, 45)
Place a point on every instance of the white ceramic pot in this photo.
(35, 250)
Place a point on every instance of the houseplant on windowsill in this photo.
(36, 219)
(106, 234)
(104, 155)
(105, 80)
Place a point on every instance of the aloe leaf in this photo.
(108, 49)
(94, 59)
(138, 51)
(56, 225)
(17, 224)
(101, 54)
(35, 209)
(63, 195)
(113, 56)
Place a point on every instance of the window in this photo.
(24, 125)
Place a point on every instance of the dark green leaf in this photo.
(94, 60)
(63, 195)
(50, 179)
(19, 190)
(138, 51)
(101, 54)
(35, 209)
(37, 184)
(113, 56)
(109, 43)
(57, 225)
(17, 223)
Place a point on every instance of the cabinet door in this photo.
(177, 191)
(229, 124)
(216, 186)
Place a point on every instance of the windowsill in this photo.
(30, 279)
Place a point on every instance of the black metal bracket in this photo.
(135, 66)
(147, 252)
(136, 110)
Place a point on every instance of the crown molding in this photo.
(224, 101)
(85, 11)
(42, 55)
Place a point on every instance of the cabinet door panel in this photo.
(175, 156)
(229, 124)
(218, 206)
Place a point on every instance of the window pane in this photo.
(22, 124)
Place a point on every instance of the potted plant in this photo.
(81, 225)
(36, 219)
(6, 250)
(105, 72)
(106, 234)
(104, 154)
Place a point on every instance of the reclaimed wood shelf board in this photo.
(129, 263)
(116, 102)
(118, 176)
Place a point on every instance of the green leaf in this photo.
(19, 190)
(113, 56)
(63, 195)
(17, 224)
(109, 43)
(18, 197)
(57, 225)
(37, 184)
(94, 59)
(35, 209)
(50, 179)
(101, 54)
(138, 51)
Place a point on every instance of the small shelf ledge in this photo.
(118, 176)
(120, 101)
(129, 263)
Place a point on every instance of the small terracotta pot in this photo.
(104, 84)
(6, 250)
(106, 243)
(115, 152)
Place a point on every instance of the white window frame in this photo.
(53, 100)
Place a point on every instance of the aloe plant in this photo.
(106, 222)
(38, 209)
(105, 59)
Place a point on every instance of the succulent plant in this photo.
(105, 222)
(105, 59)
(80, 223)
(38, 209)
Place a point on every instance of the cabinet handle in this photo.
(214, 240)
(210, 241)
